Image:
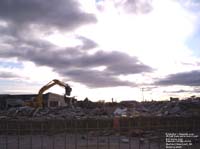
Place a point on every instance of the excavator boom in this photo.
(39, 102)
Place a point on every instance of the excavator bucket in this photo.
(68, 90)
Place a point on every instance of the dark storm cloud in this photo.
(186, 78)
(60, 14)
(19, 39)
(7, 75)
(179, 91)
(87, 43)
(77, 64)
(95, 78)
(118, 63)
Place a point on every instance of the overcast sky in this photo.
(103, 49)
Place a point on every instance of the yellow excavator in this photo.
(38, 102)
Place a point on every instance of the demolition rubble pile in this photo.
(182, 108)
(52, 113)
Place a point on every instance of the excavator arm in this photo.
(38, 102)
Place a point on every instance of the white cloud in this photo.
(157, 38)
(62, 40)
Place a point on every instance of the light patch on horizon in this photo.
(17, 86)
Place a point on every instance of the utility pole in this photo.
(142, 89)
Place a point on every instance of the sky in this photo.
(104, 49)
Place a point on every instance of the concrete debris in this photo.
(179, 108)
(125, 140)
(53, 113)
(88, 109)
(120, 111)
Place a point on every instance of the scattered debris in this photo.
(125, 140)
(88, 109)
(120, 111)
